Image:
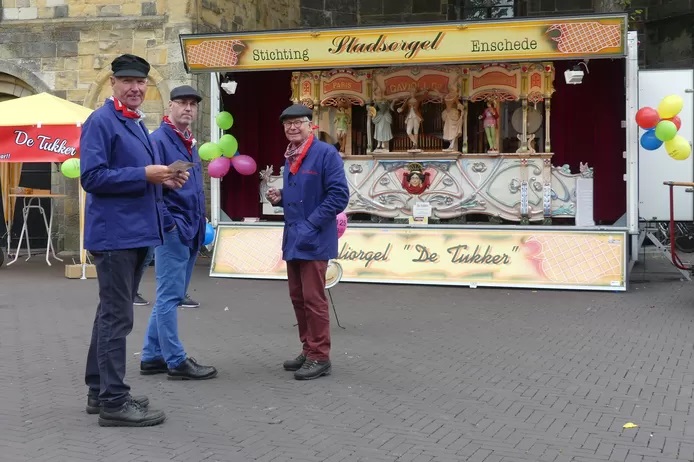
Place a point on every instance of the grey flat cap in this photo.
(185, 91)
(295, 111)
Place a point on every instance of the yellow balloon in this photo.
(670, 106)
(678, 148)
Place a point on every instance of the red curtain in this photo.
(259, 100)
(586, 127)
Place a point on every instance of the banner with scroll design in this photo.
(561, 258)
(439, 43)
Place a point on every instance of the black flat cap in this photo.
(295, 111)
(129, 66)
(185, 91)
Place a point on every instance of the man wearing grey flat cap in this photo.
(315, 191)
(122, 173)
(184, 234)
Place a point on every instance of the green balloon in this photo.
(209, 151)
(70, 168)
(225, 120)
(665, 130)
(229, 145)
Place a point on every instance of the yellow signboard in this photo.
(469, 257)
(468, 42)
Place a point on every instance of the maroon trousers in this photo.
(307, 292)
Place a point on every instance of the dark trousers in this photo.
(141, 273)
(307, 292)
(117, 272)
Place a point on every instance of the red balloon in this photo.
(676, 120)
(647, 118)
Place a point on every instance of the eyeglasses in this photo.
(294, 123)
(193, 104)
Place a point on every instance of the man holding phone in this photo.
(184, 234)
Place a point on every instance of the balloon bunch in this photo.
(70, 168)
(224, 154)
(661, 127)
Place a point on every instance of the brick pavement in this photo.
(420, 374)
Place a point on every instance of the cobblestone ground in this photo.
(419, 374)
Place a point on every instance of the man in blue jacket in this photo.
(123, 178)
(184, 234)
(315, 191)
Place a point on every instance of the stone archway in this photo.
(20, 81)
(11, 87)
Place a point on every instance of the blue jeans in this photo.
(173, 269)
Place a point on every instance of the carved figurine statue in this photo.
(382, 119)
(452, 118)
(490, 122)
(414, 117)
(342, 121)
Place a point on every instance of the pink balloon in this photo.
(244, 164)
(219, 167)
(341, 224)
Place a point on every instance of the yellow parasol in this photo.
(41, 109)
(38, 110)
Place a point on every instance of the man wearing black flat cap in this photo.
(122, 174)
(184, 234)
(315, 192)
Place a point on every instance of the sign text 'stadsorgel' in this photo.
(352, 44)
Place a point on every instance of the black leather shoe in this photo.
(313, 369)
(130, 414)
(294, 364)
(94, 405)
(158, 366)
(191, 370)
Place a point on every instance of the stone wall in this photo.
(667, 33)
(65, 47)
(317, 13)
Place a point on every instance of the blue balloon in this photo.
(209, 234)
(649, 141)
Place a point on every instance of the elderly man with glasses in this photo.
(184, 233)
(315, 191)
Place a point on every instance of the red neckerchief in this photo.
(127, 112)
(186, 137)
(296, 163)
